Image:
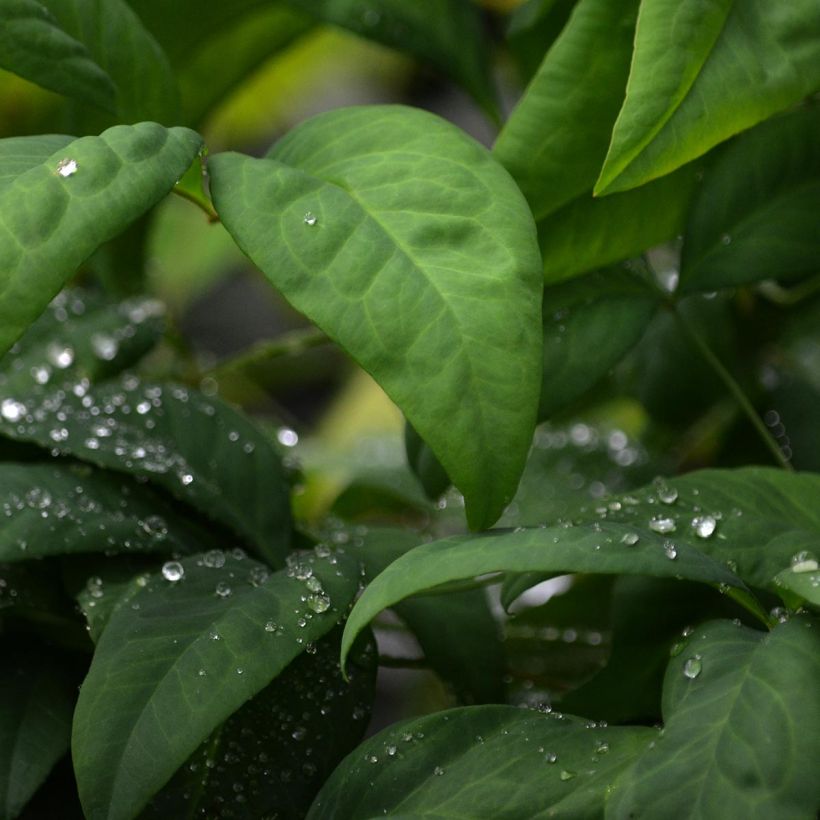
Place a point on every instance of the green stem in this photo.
(733, 387)
(289, 344)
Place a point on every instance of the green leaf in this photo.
(199, 449)
(59, 211)
(379, 225)
(588, 233)
(447, 34)
(533, 28)
(59, 509)
(425, 466)
(596, 549)
(170, 668)
(703, 71)
(282, 745)
(482, 763)
(556, 138)
(80, 336)
(33, 45)
(589, 325)
(754, 216)
(742, 733)
(127, 52)
(801, 578)
(36, 701)
(19, 154)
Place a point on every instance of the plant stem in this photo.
(289, 344)
(734, 388)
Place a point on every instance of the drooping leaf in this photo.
(555, 139)
(33, 45)
(742, 729)
(282, 745)
(755, 215)
(604, 548)
(59, 211)
(588, 232)
(447, 34)
(378, 224)
(200, 449)
(482, 763)
(127, 52)
(703, 71)
(60, 509)
(36, 701)
(589, 324)
(80, 336)
(170, 668)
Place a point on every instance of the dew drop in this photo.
(311, 219)
(804, 561)
(438, 771)
(214, 559)
(318, 603)
(692, 667)
(287, 437)
(173, 571)
(670, 550)
(61, 356)
(662, 524)
(12, 410)
(105, 347)
(67, 167)
(666, 494)
(222, 590)
(704, 526)
(630, 539)
(566, 774)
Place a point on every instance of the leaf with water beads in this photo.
(200, 449)
(167, 672)
(482, 763)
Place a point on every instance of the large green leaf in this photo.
(589, 324)
(19, 154)
(601, 548)
(59, 211)
(742, 733)
(80, 336)
(185, 655)
(702, 71)
(755, 216)
(590, 232)
(58, 509)
(200, 449)
(448, 34)
(555, 140)
(127, 52)
(33, 45)
(408, 244)
(482, 763)
(36, 701)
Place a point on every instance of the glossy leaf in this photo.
(36, 701)
(59, 509)
(589, 325)
(377, 223)
(755, 215)
(59, 211)
(703, 71)
(33, 45)
(127, 52)
(803, 583)
(742, 731)
(555, 139)
(170, 668)
(482, 763)
(200, 449)
(589, 232)
(557, 550)
(447, 34)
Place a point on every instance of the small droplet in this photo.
(60, 356)
(186, 479)
(12, 410)
(662, 524)
(173, 571)
(630, 539)
(692, 667)
(318, 603)
(704, 526)
(222, 590)
(270, 626)
(804, 561)
(670, 550)
(726, 239)
(666, 494)
(566, 774)
(67, 167)
(287, 437)
(438, 771)
(311, 219)
(214, 559)
(551, 757)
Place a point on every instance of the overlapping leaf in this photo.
(56, 213)
(404, 240)
(185, 655)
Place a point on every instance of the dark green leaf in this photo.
(533, 28)
(595, 549)
(802, 579)
(703, 71)
(33, 45)
(36, 701)
(589, 324)
(185, 655)
(378, 224)
(200, 449)
(426, 467)
(742, 733)
(755, 215)
(56, 213)
(555, 140)
(482, 763)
